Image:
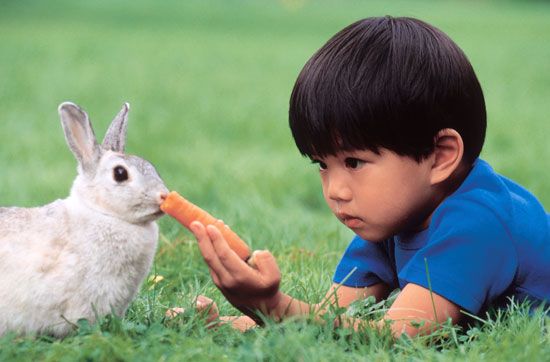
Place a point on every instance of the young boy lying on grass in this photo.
(392, 112)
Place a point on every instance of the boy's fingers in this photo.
(219, 223)
(241, 323)
(230, 260)
(173, 312)
(215, 278)
(267, 266)
(208, 306)
(209, 253)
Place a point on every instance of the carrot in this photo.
(185, 212)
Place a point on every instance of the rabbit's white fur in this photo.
(86, 254)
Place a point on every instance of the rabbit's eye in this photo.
(120, 174)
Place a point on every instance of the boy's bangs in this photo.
(321, 132)
(337, 103)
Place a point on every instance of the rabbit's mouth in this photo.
(158, 214)
(142, 215)
(154, 215)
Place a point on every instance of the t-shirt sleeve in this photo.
(469, 258)
(363, 264)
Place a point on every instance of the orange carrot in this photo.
(186, 212)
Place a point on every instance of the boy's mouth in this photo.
(353, 222)
(349, 220)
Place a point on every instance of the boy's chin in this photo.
(372, 236)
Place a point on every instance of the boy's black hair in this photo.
(387, 82)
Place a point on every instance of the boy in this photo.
(393, 113)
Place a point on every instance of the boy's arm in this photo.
(338, 296)
(251, 290)
(342, 296)
(416, 304)
(416, 310)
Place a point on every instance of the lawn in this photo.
(209, 83)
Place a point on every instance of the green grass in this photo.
(209, 84)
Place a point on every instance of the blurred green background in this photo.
(209, 84)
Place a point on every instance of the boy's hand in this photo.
(248, 289)
(209, 309)
(203, 305)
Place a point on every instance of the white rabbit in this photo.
(88, 253)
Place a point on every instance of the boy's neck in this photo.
(445, 189)
(456, 179)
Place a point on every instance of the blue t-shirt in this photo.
(487, 241)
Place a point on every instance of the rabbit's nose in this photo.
(162, 196)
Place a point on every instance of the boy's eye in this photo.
(322, 165)
(353, 162)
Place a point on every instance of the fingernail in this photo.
(194, 226)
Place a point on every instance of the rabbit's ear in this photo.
(115, 138)
(80, 135)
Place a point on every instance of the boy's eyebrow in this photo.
(366, 150)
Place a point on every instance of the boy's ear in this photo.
(447, 155)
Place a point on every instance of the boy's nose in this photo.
(337, 189)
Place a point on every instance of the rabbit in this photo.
(86, 255)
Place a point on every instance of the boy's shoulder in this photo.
(496, 201)
(489, 240)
